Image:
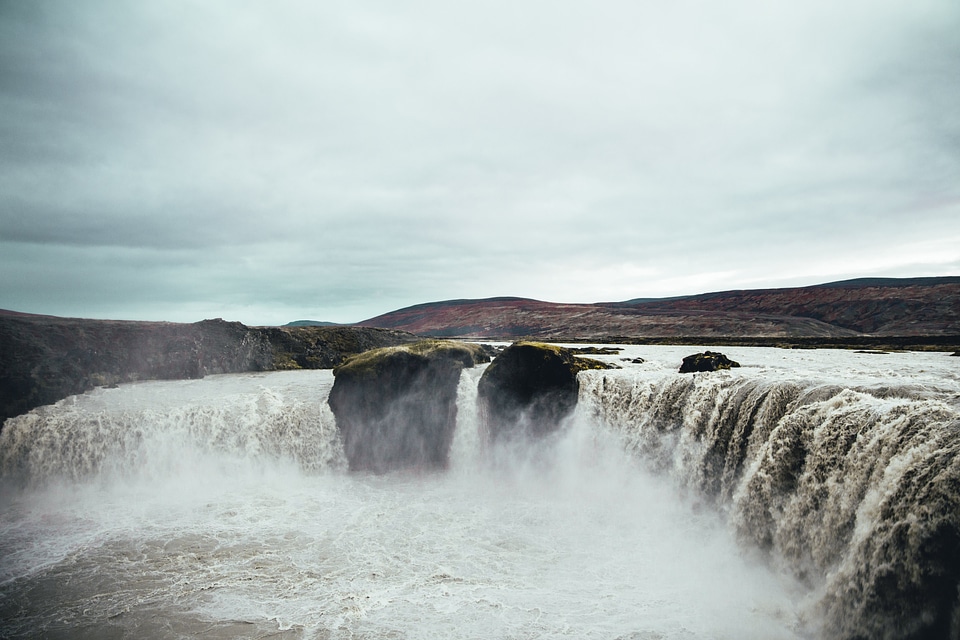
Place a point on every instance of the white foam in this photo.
(231, 507)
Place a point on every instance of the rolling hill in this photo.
(886, 307)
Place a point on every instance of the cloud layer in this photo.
(337, 160)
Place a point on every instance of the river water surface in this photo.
(222, 508)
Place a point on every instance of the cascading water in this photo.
(166, 428)
(222, 508)
(851, 481)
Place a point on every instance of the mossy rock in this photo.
(396, 407)
(706, 361)
(529, 389)
(372, 363)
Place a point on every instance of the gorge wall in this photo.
(44, 359)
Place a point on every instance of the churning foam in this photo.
(844, 470)
(221, 508)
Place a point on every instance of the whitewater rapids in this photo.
(222, 508)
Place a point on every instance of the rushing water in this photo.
(221, 508)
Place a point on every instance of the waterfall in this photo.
(856, 491)
(158, 429)
(841, 474)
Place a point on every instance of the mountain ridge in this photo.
(928, 306)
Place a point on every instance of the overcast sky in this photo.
(273, 161)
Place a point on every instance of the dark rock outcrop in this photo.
(529, 388)
(396, 407)
(316, 347)
(44, 359)
(596, 351)
(706, 361)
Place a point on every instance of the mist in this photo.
(214, 501)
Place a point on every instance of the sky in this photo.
(275, 161)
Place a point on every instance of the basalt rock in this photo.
(44, 359)
(706, 361)
(529, 389)
(325, 347)
(396, 407)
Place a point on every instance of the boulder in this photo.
(396, 407)
(529, 388)
(706, 361)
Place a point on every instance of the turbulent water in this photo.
(778, 500)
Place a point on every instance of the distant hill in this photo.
(867, 306)
(311, 323)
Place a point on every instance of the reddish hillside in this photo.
(888, 307)
(918, 307)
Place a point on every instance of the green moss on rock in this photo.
(371, 363)
(396, 406)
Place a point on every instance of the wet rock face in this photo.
(44, 359)
(529, 388)
(706, 361)
(396, 407)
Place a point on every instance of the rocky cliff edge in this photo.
(44, 359)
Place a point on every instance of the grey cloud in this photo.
(349, 157)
